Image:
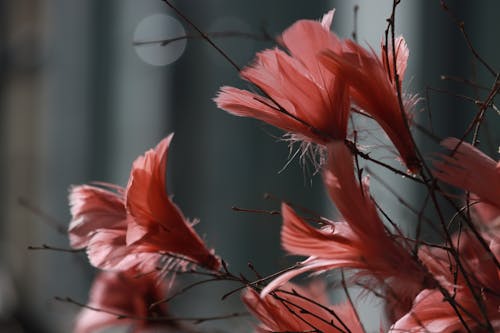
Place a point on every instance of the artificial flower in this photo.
(124, 298)
(138, 225)
(470, 169)
(296, 309)
(373, 88)
(301, 97)
(360, 243)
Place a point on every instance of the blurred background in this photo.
(79, 102)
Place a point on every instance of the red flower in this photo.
(470, 169)
(361, 242)
(310, 308)
(137, 225)
(373, 89)
(124, 298)
(100, 223)
(431, 311)
(316, 102)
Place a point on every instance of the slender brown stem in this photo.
(202, 34)
(54, 248)
(215, 34)
(120, 315)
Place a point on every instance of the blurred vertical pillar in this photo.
(19, 118)
(219, 160)
(102, 106)
(64, 146)
(445, 52)
(371, 24)
(140, 93)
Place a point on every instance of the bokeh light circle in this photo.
(159, 27)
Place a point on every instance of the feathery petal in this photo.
(374, 90)
(125, 293)
(246, 104)
(402, 54)
(304, 39)
(93, 208)
(475, 260)
(304, 98)
(361, 243)
(274, 311)
(327, 19)
(300, 238)
(165, 226)
(146, 190)
(352, 201)
(136, 227)
(432, 313)
(470, 169)
(107, 249)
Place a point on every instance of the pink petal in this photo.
(305, 38)
(327, 19)
(432, 313)
(471, 170)
(93, 208)
(352, 201)
(314, 104)
(126, 293)
(311, 264)
(374, 92)
(297, 237)
(107, 250)
(135, 232)
(245, 104)
(402, 54)
(147, 202)
(275, 314)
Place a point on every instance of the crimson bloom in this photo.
(431, 313)
(470, 169)
(296, 309)
(136, 226)
(361, 242)
(475, 290)
(124, 298)
(100, 223)
(373, 88)
(301, 96)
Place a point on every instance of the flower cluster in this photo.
(137, 233)
(309, 88)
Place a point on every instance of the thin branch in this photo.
(461, 26)
(119, 315)
(464, 81)
(257, 211)
(46, 218)
(202, 34)
(216, 34)
(54, 248)
(355, 23)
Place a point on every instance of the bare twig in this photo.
(54, 248)
(461, 26)
(119, 315)
(46, 218)
(215, 34)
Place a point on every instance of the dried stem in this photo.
(119, 315)
(54, 248)
(216, 34)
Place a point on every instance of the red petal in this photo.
(373, 92)
(167, 230)
(93, 208)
